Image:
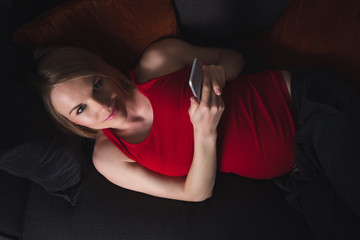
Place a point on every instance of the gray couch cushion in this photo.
(239, 209)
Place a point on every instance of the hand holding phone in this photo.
(196, 79)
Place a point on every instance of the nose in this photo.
(98, 105)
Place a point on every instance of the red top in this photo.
(255, 135)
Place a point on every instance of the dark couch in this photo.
(30, 206)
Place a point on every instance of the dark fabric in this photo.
(324, 187)
(36, 150)
(25, 11)
(12, 204)
(31, 146)
(216, 21)
(239, 209)
(6, 237)
(227, 24)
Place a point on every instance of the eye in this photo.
(80, 109)
(98, 85)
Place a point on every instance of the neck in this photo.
(139, 114)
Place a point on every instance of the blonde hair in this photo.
(55, 65)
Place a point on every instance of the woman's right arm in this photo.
(198, 184)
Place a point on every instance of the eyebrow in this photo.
(77, 106)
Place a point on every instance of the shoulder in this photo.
(166, 47)
(160, 58)
(106, 153)
(101, 150)
(101, 144)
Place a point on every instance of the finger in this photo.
(206, 88)
(212, 99)
(213, 77)
(193, 105)
(216, 70)
(216, 79)
(194, 101)
(221, 75)
(217, 98)
(217, 88)
(221, 102)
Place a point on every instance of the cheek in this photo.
(78, 121)
(83, 121)
(90, 122)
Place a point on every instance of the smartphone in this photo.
(196, 79)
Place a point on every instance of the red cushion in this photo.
(119, 31)
(316, 33)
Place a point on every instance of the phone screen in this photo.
(196, 78)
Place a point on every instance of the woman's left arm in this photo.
(169, 55)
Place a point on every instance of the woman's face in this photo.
(91, 101)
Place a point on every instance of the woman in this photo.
(171, 146)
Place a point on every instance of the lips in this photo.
(113, 113)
